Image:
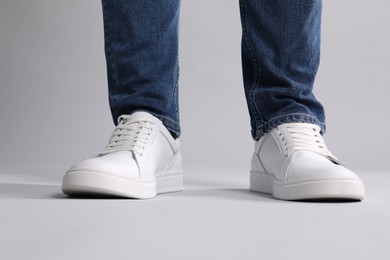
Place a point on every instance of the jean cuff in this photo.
(290, 118)
(171, 125)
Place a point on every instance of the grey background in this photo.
(54, 112)
(53, 99)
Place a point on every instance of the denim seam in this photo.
(176, 87)
(175, 97)
(289, 118)
(251, 102)
(109, 54)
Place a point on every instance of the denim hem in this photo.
(289, 118)
(171, 125)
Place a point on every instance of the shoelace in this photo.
(129, 135)
(297, 136)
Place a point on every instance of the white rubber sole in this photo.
(307, 189)
(93, 183)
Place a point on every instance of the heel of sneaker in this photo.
(261, 182)
(171, 179)
(169, 183)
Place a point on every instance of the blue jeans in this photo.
(280, 58)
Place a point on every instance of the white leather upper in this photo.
(140, 148)
(287, 157)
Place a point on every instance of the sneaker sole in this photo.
(99, 184)
(308, 189)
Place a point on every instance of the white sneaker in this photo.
(141, 160)
(292, 162)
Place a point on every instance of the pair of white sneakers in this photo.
(142, 159)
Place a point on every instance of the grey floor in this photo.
(215, 217)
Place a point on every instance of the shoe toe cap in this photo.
(121, 164)
(310, 165)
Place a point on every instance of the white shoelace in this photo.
(129, 135)
(298, 136)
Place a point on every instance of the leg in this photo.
(141, 159)
(280, 57)
(141, 45)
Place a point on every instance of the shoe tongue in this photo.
(136, 116)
